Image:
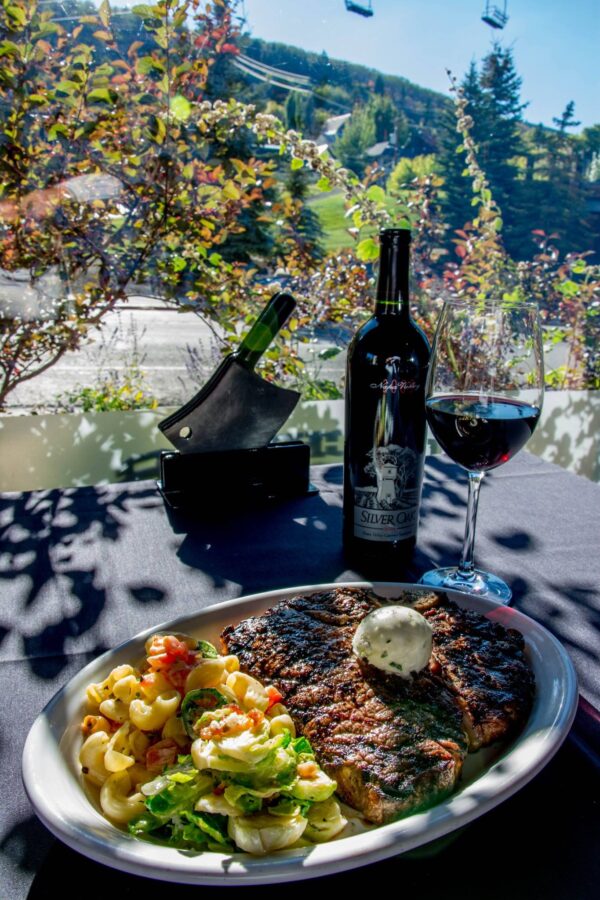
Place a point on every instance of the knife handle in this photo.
(262, 333)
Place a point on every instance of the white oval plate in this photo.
(54, 783)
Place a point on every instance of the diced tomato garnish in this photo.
(177, 649)
(177, 674)
(256, 717)
(172, 658)
(163, 753)
(274, 696)
(220, 789)
(166, 649)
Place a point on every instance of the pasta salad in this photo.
(188, 751)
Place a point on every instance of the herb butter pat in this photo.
(395, 639)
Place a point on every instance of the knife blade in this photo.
(236, 408)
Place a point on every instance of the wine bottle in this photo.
(384, 448)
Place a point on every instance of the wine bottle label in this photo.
(387, 508)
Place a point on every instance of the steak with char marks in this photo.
(394, 746)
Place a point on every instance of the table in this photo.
(84, 569)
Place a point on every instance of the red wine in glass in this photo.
(481, 433)
(483, 399)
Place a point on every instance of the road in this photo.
(176, 352)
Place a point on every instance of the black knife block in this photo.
(218, 482)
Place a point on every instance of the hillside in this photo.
(338, 85)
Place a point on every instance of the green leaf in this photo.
(104, 13)
(569, 288)
(296, 164)
(230, 191)
(579, 267)
(330, 352)
(376, 194)
(66, 88)
(357, 219)
(17, 14)
(56, 130)
(180, 108)
(367, 250)
(323, 184)
(147, 64)
(9, 48)
(158, 129)
(102, 95)
(146, 12)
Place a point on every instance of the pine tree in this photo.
(494, 103)
(358, 135)
(456, 205)
(306, 224)
(557, 189)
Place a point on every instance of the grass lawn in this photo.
(332, 215)
(331, 212)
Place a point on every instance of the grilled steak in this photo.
(484, 665)
(394, 746)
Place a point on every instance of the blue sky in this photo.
(556, 44)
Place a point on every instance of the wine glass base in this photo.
(479, 584)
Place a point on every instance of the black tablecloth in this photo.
(84, 569)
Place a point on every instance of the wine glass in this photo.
(483, 399)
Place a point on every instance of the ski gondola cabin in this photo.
(494, 16)
(361, 9)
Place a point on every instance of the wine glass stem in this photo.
(467, 569)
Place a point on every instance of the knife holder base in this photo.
(211, 482)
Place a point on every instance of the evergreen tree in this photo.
(358, 135)
(456, 206)
(300, 112)
(494, 103)
(384, 116)
(306, 224)
(256, 239)
(557, 187)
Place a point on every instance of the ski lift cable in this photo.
(273, 70)
(263, 76)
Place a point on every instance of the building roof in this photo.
(379, 149)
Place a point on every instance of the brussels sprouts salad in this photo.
(190, 752)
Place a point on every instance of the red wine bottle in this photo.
(384, 448)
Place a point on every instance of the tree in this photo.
(110, 174)
(358, 135)
(494, 105)
(302, 219)
(105, 177)
(409, 169)
(300, 112)
(556, 186)
(384, 115)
